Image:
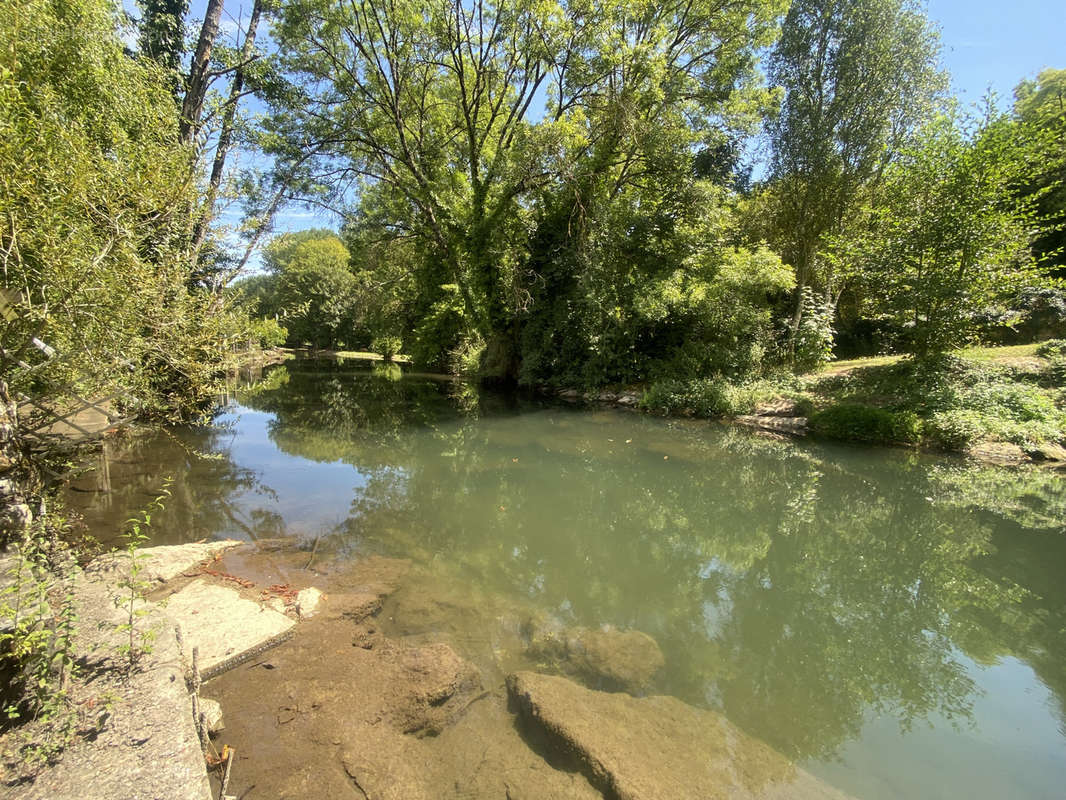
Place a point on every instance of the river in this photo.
(895, 622)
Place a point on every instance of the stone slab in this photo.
(226, 627)
(163, 563)
(658, 748)
(147, 747)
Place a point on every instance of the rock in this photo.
(997, 453)
(625, 660)
(1048, 452)
(433, 675)
(380, 776)
(212, 711)
(226, 627)
(778, 407)
(307, 601)
(145, 746)
(570, 394)
(657, 748)
(609, 658)
(628, 399)
(795, 426)
(161, 564)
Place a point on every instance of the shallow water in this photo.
(895, 622)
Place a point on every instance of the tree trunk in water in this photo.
(501, 360)
(196, 88)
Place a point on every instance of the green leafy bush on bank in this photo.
(949, 404)
(860, 423)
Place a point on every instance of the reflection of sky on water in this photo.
(1011, 748)
(311, 497)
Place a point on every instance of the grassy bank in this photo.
(1012, 397)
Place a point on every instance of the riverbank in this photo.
(1004, 405)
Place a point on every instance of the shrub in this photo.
(1052, 348)
(956, 429)
(387, 346)
(867, 424)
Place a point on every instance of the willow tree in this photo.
(466, 110)
(858, 75)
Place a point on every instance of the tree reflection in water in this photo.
(798, 587)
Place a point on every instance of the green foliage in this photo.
(949, 236)
(268, 332)
(95, 196)
(856, 76)
(315, 291)
(812, 345)
(861, 423)
(39, 616)
(959, 402)
(1052, 348)
(1041, 103)
(386, 346)
(711, 397)
(632, 92)
(134, 587)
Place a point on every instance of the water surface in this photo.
(896, 622)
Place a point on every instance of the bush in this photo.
(712, 397)
(387, 346)
(956, 429)
(268, 333)
(1052, 348)
(864, 423)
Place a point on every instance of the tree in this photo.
(1042, 102)
(950, 235)
(438, 102)
(314, 289)
(94, 189)
(162, 36)
(857, 76)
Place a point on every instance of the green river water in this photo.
(895, 622)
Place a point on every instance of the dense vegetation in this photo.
(543, 193)
(563, 193)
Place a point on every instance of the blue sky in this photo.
(997, 44)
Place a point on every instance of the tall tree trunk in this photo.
(225, 136)
(196, 87)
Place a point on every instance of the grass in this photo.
(1005, 395)
(1006, 353)
(366, 355)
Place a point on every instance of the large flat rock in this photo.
(658, 748)
(163, 563)
(147, 747)
(226, 627)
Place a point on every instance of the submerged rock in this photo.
(657, 748)
(610, 658)
(433, 675)
(307, 602)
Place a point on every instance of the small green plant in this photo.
(134, 587)
(39, 615)
(812, 345)
(386, 346)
